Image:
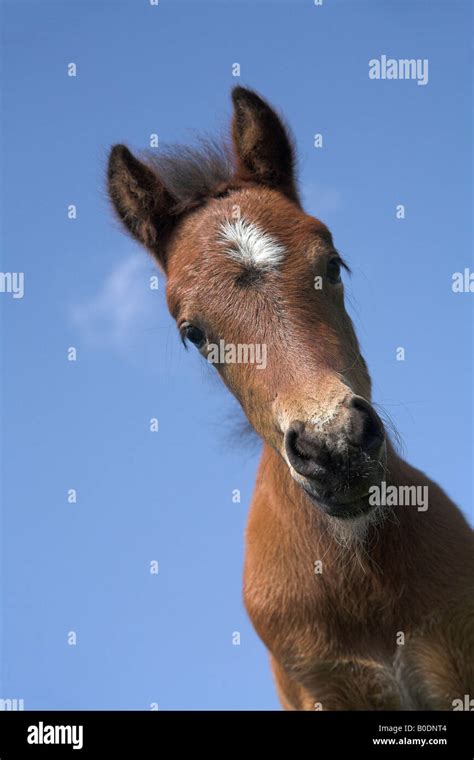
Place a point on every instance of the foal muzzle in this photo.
(337, 465)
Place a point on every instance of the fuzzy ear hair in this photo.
(262, 144)
(143, 204)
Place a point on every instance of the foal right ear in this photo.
(143, 204)
(262, 144)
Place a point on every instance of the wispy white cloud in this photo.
(123, 308)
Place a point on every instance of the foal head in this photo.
(255, 284)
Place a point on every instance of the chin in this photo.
(350, 518)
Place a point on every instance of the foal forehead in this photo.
(259, 228)
(242, 239)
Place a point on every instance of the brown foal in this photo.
(361, 588)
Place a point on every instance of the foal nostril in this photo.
(303, 450)
(368, 432)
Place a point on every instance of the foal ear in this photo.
(141, 201)
(262, 144)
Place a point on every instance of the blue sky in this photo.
(84, 567)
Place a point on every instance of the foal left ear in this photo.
(142, 202)
(262, 144)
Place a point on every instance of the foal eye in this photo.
(333, 271)
(194, 334)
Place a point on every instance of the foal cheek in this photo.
(248, 385)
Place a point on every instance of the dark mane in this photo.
(193, 174)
